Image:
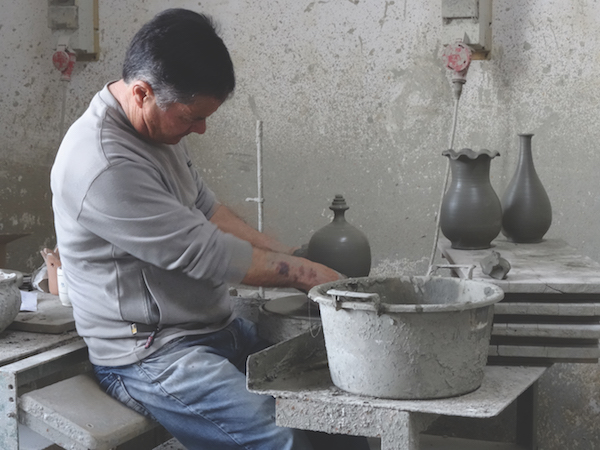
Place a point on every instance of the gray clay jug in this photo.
(471, 213)
(527, 212)
(10, 299)
(341, 246)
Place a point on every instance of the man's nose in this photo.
(199, 127)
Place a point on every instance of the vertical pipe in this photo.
(63, 108)
(259, 133)
(260, 199)
(457, 93)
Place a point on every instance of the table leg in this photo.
(527, 418)
(9, 432)
(398, 430)
(403, 430)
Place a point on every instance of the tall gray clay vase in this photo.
(10, 299)
(341, 246)
(471, 213)
(527, 212)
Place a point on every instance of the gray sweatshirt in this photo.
(135, 241)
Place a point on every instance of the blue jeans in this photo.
(195, 387)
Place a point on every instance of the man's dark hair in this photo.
(180, 55)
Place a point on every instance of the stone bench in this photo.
(55, 394)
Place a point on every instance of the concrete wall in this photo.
(354, 100)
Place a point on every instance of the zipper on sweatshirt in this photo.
(150, 339)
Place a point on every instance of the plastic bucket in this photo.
(407, 337)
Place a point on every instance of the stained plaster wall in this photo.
(354, 100)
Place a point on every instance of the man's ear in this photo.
(141, 92)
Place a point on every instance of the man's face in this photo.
(170, 125)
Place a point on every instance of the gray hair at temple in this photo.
(180, 55)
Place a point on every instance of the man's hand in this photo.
(301, 252)
(272, 262)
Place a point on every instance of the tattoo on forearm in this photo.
(283, 268)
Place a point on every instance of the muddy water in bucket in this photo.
(407, 337)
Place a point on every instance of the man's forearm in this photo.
(228, 222)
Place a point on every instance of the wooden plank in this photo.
(51, 317)
(533, 297)
(546, 352)
(549, 309)
(537, 361)
(565, 331)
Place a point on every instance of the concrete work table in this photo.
(295, 372)
(31, 333)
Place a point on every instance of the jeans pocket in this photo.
(113, 385)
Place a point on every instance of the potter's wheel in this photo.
(286, 317)
(299, 306)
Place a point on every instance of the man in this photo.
(148, 251)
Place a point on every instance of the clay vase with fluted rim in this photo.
(471, 213)
(10, 299)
